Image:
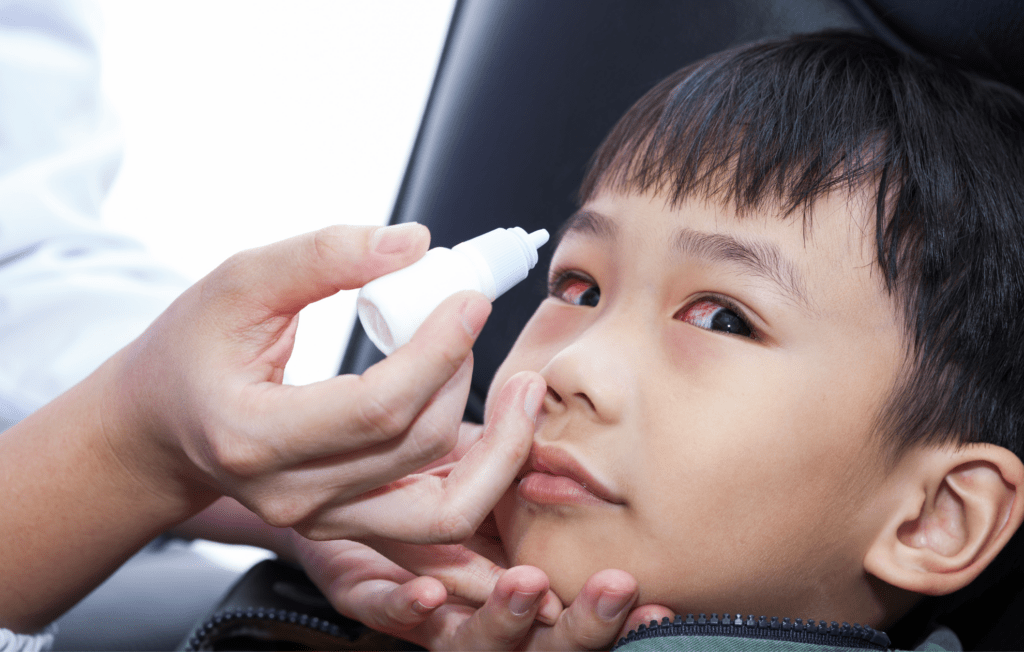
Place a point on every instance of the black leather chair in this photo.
(526, 90)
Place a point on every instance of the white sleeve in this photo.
(71, 292)
(41, 642)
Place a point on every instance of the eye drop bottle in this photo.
(392, 307)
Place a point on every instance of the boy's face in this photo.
(713, 383)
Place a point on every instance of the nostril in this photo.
(586, 399)
(554, 395)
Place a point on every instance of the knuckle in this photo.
(452, 527)
(492, 574)
(325, 243)
(444, 355)
(462, 572)
(238, 456)
(452, 357)
(431, 441)
(377, 417)
(286, 510)
(224, 280)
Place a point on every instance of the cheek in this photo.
(746, 442)
(691, 352)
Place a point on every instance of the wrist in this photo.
(141, 441)
(89, 486)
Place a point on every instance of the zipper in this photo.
(821, 633)
(253, 620)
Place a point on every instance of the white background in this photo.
(247, 122)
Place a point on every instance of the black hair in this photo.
(779, 124)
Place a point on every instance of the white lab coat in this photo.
(71, 292)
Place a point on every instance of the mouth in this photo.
(552, 476)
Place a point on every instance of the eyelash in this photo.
(729, 305)
(560, 279)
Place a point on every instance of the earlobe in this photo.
(952, 511)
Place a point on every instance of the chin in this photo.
(529, 543)
(567, 579)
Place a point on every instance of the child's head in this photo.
(783, 341)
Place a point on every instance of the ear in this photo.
(951, 511)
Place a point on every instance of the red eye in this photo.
(713, 316)
(575, 290)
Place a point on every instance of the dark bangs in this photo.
(776, 125)
(772, 123)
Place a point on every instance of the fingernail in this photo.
(419, 608)
(534, 395)
(474, 316)
(520, 603)
(610, 605)
(394, 239)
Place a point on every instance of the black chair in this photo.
(526, 90)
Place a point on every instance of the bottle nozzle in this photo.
(539, 238)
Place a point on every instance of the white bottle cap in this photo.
(509, 255)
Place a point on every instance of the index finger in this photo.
(431, 509)
(352, 413)
(287, 276)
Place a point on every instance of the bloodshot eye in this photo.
(575, 289)
(711, 315)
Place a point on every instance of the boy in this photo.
(782, 341)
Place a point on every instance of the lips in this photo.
(552, 476)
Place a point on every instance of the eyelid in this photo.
(559, 276)
(726, 302)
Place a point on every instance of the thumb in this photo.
(286, 276)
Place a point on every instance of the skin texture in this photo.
(738, 471)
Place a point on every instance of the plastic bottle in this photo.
(392, 307)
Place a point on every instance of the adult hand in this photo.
(518, 613)
(464, 596)
(329, 459)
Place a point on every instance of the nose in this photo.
(592, 375)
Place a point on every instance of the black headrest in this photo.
(986, 36)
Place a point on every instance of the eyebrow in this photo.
(586, 221)
(756, 257)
